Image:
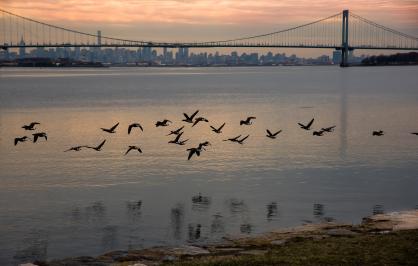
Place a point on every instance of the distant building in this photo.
(22, 51)
(336, 57)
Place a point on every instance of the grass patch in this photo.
(397, 248)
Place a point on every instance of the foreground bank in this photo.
(383, 239)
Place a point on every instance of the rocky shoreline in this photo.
(272, 245)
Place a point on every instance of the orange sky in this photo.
(205, 19)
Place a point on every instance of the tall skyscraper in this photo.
(22, 51)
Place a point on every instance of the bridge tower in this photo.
(344, 39)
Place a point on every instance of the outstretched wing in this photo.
(195, 122)
(194, 114)
(268, 132)
(16, 141)
(310, 123)
(35, 138)
(130, 148)
(114, 127)
(130, 128)
(221, 127)
(191, 152)
(244, 138)
(101, 145)
(33, 124)
(213, 128)
(186, 116)
(278, 132)
(178, 137)
(300, 124)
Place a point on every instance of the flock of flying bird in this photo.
(179, 132)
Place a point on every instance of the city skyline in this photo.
(197, 20)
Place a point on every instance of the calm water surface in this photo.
(55, 204)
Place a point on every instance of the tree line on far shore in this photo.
(394, 59)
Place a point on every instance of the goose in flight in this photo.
(193, 151)
(271, 135)
(189, 119)
(176, 132)
(110, 130)
(163, 123)
(318, 133)
(76, 148)
(199, 119)
(31, 126)
(134, 125)
(414, 133)
(202, 145)
(21, 139)
(308, 126)
(177, 140)
(39, 135)
(328, 129)
(378, 133)
(99, 147)
(235, 139)
(247, 121)
(217, 130)
(241, 141)
(133, 148)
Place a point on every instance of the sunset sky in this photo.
(167, 20)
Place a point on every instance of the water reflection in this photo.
(318, 211)
(378, 209)
(272, 211)
(200, 203)
(177, 221)
(109, 237)
(133, 209)
(246, 228)
(194, 232)
(237, 206)
(95, 212)
(33, 247)
(217, 225)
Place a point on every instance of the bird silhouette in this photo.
(202, 145)
(21, 139)
(247, 121)
(318, 133)
(133, 148)
(271, 135)
(328, 129)
(110, 130)
(189, 119)
(178, 141)
(378, 133)
(76, 148)
(414, 133)
(31, 126)
(241, 141)
(39, 135)
(163, 123)
(176, 132)
(193, 151)
(308, 126)
(199, 119)
(217, 130)
(99, 147)
(134, 125)
(234, 139)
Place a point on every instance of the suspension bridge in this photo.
(344, 31)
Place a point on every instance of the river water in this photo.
(56, 204)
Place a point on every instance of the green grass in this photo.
(398, 248)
